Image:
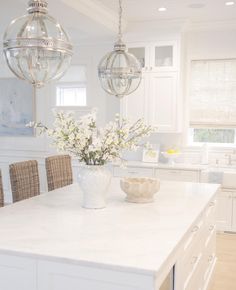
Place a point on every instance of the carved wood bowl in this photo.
(140, 190)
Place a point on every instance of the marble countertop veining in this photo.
(138, 237)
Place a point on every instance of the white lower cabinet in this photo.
(225, 211)
(178, 175)
(133, 172)
(194, 268)
(234, 213)
(17, 273)
(62, 276)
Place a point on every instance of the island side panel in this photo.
(64, 276)
(17, 273)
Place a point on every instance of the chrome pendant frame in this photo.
(112, 76)
(47, 46)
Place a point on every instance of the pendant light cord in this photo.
(120, 20)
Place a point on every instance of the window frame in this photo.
(188, 132)
(71, 85)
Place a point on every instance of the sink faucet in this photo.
(230, 157)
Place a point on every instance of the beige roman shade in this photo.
(213, 93)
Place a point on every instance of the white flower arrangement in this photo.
(90, 144)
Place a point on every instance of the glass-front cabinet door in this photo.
(141, 52)
(164, 56)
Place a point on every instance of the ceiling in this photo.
(146, 10)
(78, 25)
(97, 19)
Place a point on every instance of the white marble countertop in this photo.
(180, 166)
(138, 237)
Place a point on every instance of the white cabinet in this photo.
(135, 106)
(63, 276)
(178, 175)
(234, 213)
(133, 172)
(198, 256)
(164, 56)
(17, 273)
(163, 101)
(157, 99)
(224, 211)
(157, 56)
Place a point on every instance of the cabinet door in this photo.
(163, 107)
(164, 56)
(134, 106)
(142, 53)
(224, 211)
(17, 273)
(178, 175)
(234, 213)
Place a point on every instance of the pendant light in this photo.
(119, 71)
(36, 47)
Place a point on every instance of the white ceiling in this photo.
(79, 26)
(145, 10)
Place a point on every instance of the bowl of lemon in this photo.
(171, 155)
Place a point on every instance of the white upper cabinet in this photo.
(163, 101)
(135, 106)
(141, 51)
(157, 99)
(164, 56)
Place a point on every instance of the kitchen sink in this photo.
(224, 175)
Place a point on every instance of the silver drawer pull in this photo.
(195, 229)
(132, 172)
(210, 258)
(213, 203)
(194, 260)
(211, 228)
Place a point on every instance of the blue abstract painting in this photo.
(16, 107)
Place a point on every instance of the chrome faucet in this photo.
(230, 157)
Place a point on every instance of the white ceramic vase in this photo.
(94, 181)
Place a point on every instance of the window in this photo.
(213, 101)
(71, 95)
(71, 89)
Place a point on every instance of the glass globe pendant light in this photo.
(119, 71)
(36, 47)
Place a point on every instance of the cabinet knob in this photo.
(211, 228)
(210, 258)
(194, 260)
(151, 68)
(195, 229)
(213, 203)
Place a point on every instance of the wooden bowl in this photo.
(140, 190)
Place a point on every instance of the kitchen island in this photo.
(50, 243)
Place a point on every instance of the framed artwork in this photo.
(151, 155)
(17, 108)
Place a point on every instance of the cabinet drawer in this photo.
(195, 234)
(178, 175)
(190, 265)
(195, 283)
(209, 257)
(133, 172)
(211, 213)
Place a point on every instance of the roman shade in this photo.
(213, 93)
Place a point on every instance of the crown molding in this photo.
(216, 25)
(97, 12)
